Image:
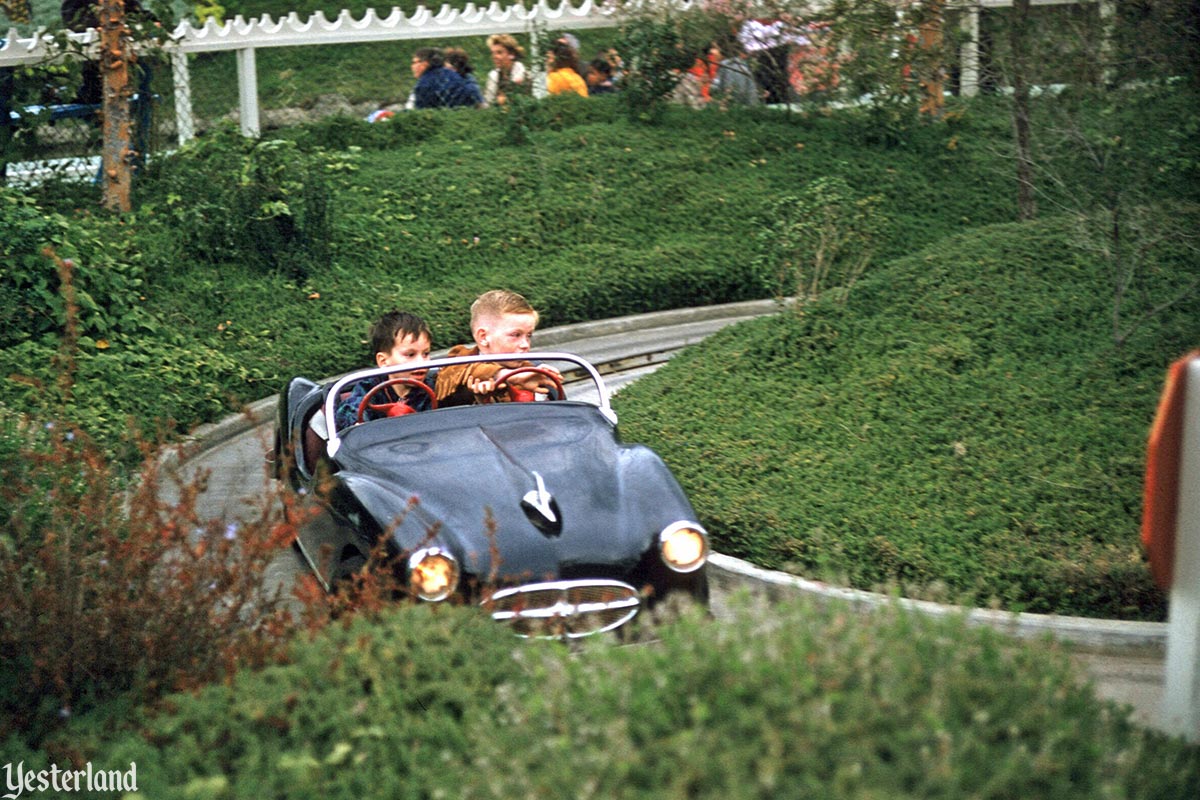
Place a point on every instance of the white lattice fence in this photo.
(246, 37)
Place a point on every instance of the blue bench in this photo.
(141, 106)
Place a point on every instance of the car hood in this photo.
(531, 491)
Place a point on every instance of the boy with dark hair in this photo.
(398, 338)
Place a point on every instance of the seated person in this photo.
(510, 74)
(501, 322)
(599, 78)
(439, 87)
(398, 338)
(734, 83)
(457, 60)
(562, 70)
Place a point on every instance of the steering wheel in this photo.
(386, 407)
(517, 394)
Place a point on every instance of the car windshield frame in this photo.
(586, 371)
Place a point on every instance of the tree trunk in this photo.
(931, 39)
(1019, 41)
(116, 61)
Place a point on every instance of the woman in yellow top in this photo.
(562, 66)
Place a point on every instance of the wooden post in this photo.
(116, 60)
(931, 39)
(1181, 700)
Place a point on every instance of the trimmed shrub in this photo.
(964, 428)
(800, 701)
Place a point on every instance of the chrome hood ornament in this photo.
(540, 500)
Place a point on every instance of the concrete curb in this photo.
(214, 434)
(734, 574)
(1098, 635)
(657, 319)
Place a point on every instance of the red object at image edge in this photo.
(1160, 507)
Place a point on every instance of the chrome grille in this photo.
(564, 609)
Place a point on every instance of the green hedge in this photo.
(964, 426)
(797, 702)
(592, 218)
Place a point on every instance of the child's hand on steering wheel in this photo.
(484, 386)
(534, 382)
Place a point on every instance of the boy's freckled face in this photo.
(408, 349)
(508, 333)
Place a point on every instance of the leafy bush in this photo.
(118, 385)
(265, 204)
(433, 701)
(106, 273)
(895, 61)
(113, 594)
(800, 701)
(111, 387)
(821, 239)
(373, 708)
(657, 43)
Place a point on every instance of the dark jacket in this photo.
(440, 87)
(346, 411)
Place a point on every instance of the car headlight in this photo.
(432, 573)
(684, 546)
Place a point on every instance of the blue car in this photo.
(536, 511)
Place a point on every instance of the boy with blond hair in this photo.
(501, 322)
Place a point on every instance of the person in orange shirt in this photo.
(705, 69)
(562, 67)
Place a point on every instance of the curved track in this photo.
(1125, 660)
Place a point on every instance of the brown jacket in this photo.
(452, 382)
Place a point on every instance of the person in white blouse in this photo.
(509, 73)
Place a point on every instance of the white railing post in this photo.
(248, 92)
(1108, 21)
(537, 66)
(968, 54)
(185, 125)
(1181, 697)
